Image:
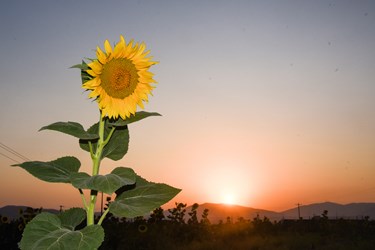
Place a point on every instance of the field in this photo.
(183, 231)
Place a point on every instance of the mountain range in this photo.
(221, 212)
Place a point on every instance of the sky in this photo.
(264, 104)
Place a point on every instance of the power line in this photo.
(9, 158)
(14, 152)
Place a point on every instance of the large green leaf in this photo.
(142, 199)
(47, 231)
(134, 118)
(117, 146)
(105, 183)
(71, 128)
(53, 171)
(72, 217)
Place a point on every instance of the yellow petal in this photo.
(128, 49)
(122, 40)
(91, 84)
(120, 46)
(93, 94)
(91, 73)
(107, 47)
(101, 56)
(96, 67)
(109, 105)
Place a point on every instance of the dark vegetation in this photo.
(182, 230)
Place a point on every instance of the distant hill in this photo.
(13, 212)
(335, 210)
(220, 212)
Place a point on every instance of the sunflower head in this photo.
(120, 78)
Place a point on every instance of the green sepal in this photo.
(47, 231)
(53, 171)
(108, 184)
(134, 118)
(84, 75)
(142, 199)
(117, 146)
(71, 128)
(81, 66)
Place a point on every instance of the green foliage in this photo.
(84, 75)
(53, 171)
(82, 66)
(137, 117)
(108, 184)
(72, 217)
(117, 146)
(49, 231)
(135, 195)
(71, 128)
(142, 199)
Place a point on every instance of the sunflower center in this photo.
(119, 78)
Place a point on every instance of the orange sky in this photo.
(264, 104)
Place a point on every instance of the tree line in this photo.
(180, 228)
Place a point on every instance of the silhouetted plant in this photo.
(259, 233)
(205, 219)
(229, 220)
(193, 214)
(325, 215)
(177, 214)
(157, 215)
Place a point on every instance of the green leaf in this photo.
(71, 128)
(137, 117)
(72, 217)
(142, 199)
(46, 231)
(53, 171)
(117, 146)
(105, 183)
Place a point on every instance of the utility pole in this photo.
(299, 211)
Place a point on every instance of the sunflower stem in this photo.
(103, 216)
(109, 136)
(83, 199)
(96, 159)
(91, 152)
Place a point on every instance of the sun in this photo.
(228, 198)
(230, 183)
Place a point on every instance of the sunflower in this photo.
(120, 79)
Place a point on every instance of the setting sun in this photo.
(229, 198)
(231, 183)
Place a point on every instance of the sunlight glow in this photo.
(233, 181)
(229, 199)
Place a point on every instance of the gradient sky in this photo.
(267, 103)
